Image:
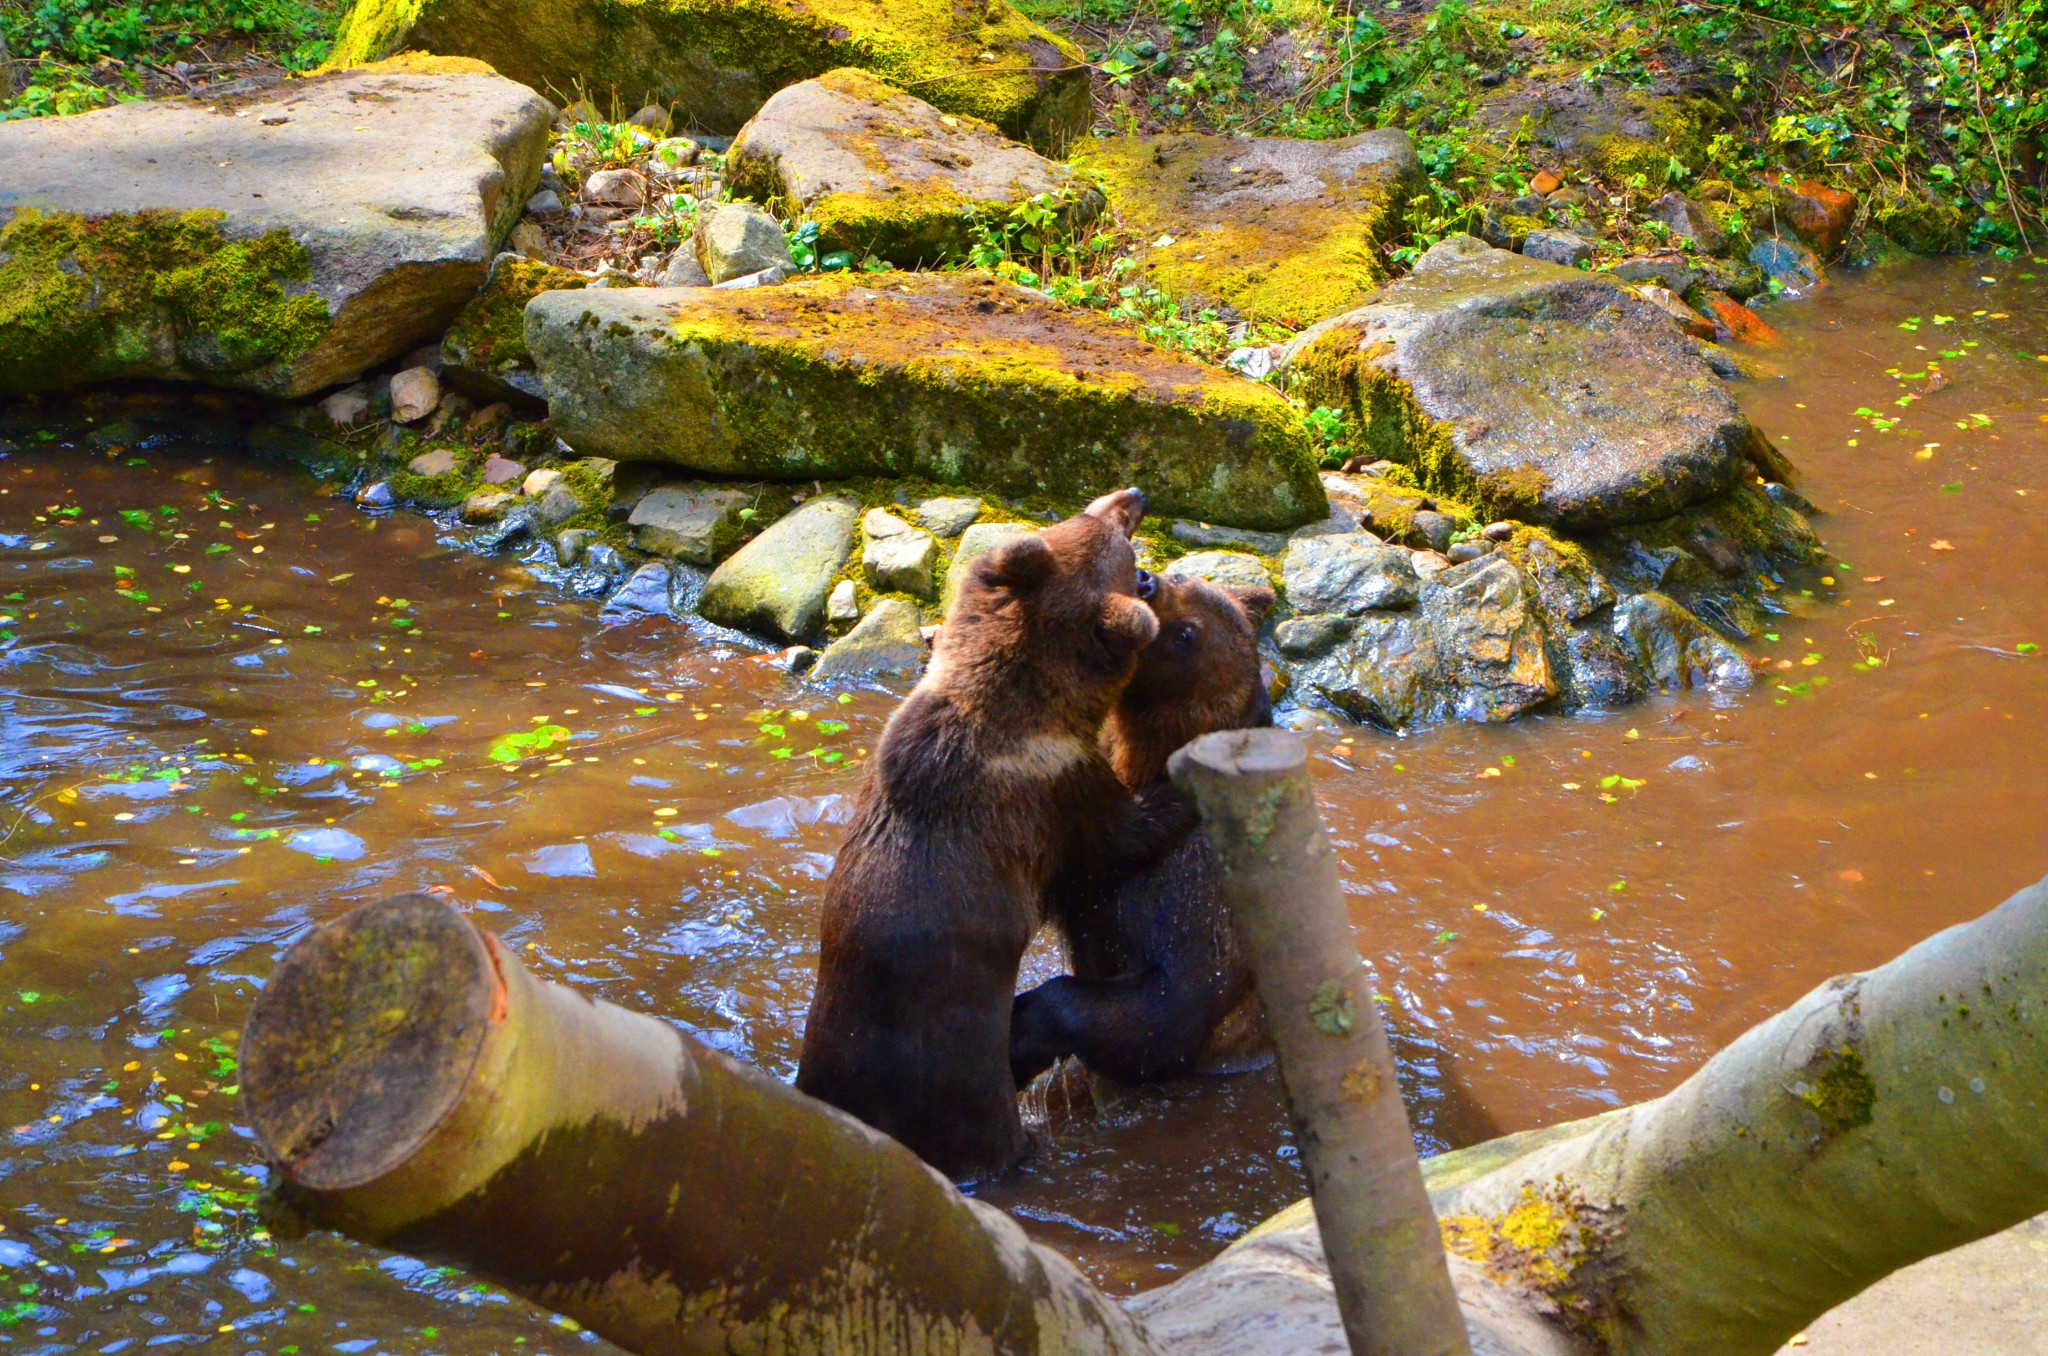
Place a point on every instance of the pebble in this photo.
(615, 188)
(645, 592)
(439, 462)
(653, 117)
(538, 483)
(346, 408)
(570, 545)
(527, 239)
(1558, 247)
(842, 605)
(1433, 528)
(544, 203)
(414, 394)
(376, 495)
(557, 506)
(487, 506)
(502, 471)
(682, 270)
(1497, 531)
(948, 516)
(1467, 550)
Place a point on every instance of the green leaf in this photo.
(1332, 1010)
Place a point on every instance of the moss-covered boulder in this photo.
(776, 584)
(281, 239)
(884, 173)
(1280, 230)
(714, 62)
(1535, 391)
(485, 347)
(956, 378)
(1606, 126)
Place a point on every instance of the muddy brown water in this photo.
(311, 707)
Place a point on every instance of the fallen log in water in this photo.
(420, 1090)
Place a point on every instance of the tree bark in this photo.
(1885, 1117)
(418, 1089)
(1278, 876)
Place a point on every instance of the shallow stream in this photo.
(231, 705)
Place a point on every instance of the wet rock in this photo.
(1466, 551)
(1685, 317)
(1558, 247)
(696, 523)
(1311, 636)
(1689, 220)
(1489, 640)
(1210, 535)
(488, 506)
(897, 557)
(776, 584)
(347, 408)
(502, 471)
(1819, 215)
(682, 269)
(1595, 668)
(433, 465)
(556, 507)
(976, 541)
(484, 351)
(1736, 323)
(948, 516)
(1674, 649)
(842, 604)
(1793, 268)
(1281, 230)
(947, 375)
(414, 394)
(887, 642)
(1560, 398)
(645, 592)
(571, 544)
(1568, 586)
(1227, 569)
(737, 239)
(539, 482)
(1433, 529)
(344, 239)
(883, 172)
(1739, 278)
(1348, 574)
(1658, 270)
(712, 67)
(376, 495)
(615, 188)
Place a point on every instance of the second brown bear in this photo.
(1159, 987)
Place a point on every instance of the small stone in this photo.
(615, 188)
(528, 240)
(688, 522)
(1207, 534)
(346, 408)
(898, 558)
(538, 483)
(948, 517)
(1736, 321)
(1545, 182)
(776, 584)
(1347, 573)
(571, 544)
(1688, 220)
(889, 640)
(797, 659)
(1311, 636)
(557, 506)
(1558, 247)
(414, 394)
(882, 523)
(1528, 205)
(1225, 569)
(440, 462)
(653, 117)
(1497, 531)
(1434, 529)
(977, 540)
(673, 153)
(739, 239)
(603, 559)
(502, 471)
(1467, 551)
(376, 495)
(1429, 564)
(682, 270)
(487, 506)
(1794, 269)
(1664, 270)
(1569, 196)
(1685, 317)
(842, 605)
(544, 203)
(645, 592)
(767, 277)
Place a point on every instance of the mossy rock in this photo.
(281, 239)
(1280, 230)
(1612, 129)
(485, 348)
(885, 174)
(1917, 222)
(1533, 391)
(713, 63)
(958, 378)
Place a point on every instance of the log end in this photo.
(365, 1037)
(1268, 752)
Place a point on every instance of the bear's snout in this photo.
(1148, 586)
(1121, 509)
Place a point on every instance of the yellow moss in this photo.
(426, 63)
(1287, 263)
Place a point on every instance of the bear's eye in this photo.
(1184, 636)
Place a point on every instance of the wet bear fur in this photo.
(989, 788)
(1159, 986)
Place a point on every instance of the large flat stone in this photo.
(713, 63)
(884, 173)
(954, 377)
(281, 239)
(1281, 230)
(1542, 392)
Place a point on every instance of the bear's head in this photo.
(1056, 609)
(1199, 674)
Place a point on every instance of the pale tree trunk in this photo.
(1278, 875)
(422, 1091)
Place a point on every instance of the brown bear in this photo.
(1159, 987)
(989, 788)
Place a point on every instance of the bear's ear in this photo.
(1128, 622)
(1256, 602)
(1020, 564)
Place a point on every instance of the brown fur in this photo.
(988, 788)
(1159, 987)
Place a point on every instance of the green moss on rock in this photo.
(490, 333)
(148, 294)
